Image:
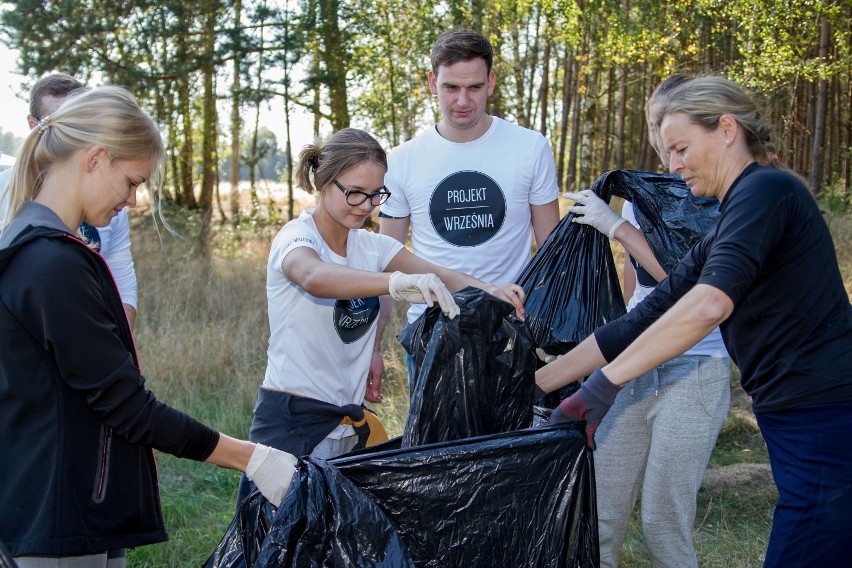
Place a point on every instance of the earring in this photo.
(727, 141)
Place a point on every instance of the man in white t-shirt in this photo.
(473, 189)
(112, 241)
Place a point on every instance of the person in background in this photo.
(112, 241)
(768, 275)
(324, 278)
(473, 189)
(78, 479)
(660, 432)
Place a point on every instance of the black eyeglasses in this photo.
(355, 198)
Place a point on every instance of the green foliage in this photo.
(366, 62)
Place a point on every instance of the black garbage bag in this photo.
(571, 283)
(6, 560)
(516, 499)
(571, 287)
(671, 218)
(240, 546)
(326, 520)
(474, 374)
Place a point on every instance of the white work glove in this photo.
(592, 210)
(423, 289)
(271, 470)
(546, 357)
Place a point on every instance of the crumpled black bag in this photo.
(571, 284)
(326, 520)
(516, 499)
(240, 545)
(671, 218)
(474, 374)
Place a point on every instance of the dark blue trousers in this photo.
(810, 450)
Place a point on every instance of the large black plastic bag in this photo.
(326, 520)
(474, 374)
(517, 499)
(524, 498)
(571, 283)
(241, 544)
(571, 287)
(671, 218)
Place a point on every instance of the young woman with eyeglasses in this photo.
(324, 278)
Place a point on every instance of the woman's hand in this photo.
(511, 293)
(272, 471)
(422, 289)
(374, 378)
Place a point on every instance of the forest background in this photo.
(578, 71)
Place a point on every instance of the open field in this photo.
(202, 336)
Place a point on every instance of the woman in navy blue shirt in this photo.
(768, 276)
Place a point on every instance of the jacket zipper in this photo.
(103, 465)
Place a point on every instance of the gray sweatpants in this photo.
(658, 436)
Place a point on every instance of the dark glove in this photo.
(538, 393)
(589, 404)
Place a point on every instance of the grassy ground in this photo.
(202, 336)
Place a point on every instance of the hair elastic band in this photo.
(42, 124)
(314, 161)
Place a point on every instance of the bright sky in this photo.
(14, 105)
(13, 117)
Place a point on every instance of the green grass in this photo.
(202, 335)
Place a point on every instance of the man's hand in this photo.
(272, 471)
(589, 404)
(374, 378)
(592, 210)
(511, 293)
(423, 289)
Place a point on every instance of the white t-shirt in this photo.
(322, 348)
(712, 345)
(469, 203)
(114, 247)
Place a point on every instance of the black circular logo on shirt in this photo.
(467, 208)
(91, 236)
(353, 318)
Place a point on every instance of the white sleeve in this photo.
(397, 205)
(116, 252)
(544, 187)
(293, 235)
(5, 177)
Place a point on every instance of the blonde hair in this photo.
(325, 161)
(105, 115)
(705, 99)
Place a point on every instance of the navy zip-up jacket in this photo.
(77, 472)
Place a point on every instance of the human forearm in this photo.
(634, 242)
(572, 366)
(130, 312)
(327, 280)
(697, 313)
(231, 453)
